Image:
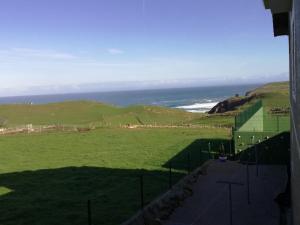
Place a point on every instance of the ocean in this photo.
(195, 99)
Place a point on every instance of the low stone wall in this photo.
(43, 129)
(162, 207)
(135, 126)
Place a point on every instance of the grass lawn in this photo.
(48, 178)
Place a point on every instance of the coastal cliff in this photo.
(275, 96)
(231, 104)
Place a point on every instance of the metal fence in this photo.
(244, 116)
(276, 123)
(253, 126)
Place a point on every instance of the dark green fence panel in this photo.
(244, 116)
(276, 123)
(244, 140)
(272, 126)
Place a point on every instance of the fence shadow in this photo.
(273, 150)
(198, 152)
(59, 196)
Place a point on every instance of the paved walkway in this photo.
(210, 203)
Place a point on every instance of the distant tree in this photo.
(237, 95)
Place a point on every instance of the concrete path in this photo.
(210, 203)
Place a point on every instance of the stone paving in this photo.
(209, 204)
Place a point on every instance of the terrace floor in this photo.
(210, 203)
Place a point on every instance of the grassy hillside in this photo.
(84, 112)
(274, 94)
(98, 114)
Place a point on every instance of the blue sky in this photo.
(59, 45)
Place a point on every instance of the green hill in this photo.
(273, 94)
(84, 112)
(99, 115)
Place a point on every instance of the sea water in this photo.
(194, 99)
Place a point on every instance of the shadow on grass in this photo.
(274, 150)
(59, 196)
(198, 152)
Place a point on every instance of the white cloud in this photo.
(36, 53)
(115, 51)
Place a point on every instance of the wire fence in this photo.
(244, 116)
(276, 123)
(270, 150)
(253, 125)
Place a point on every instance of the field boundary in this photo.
(29, 128)
(131, 126)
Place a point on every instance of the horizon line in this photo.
(140, 89)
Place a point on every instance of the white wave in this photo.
(198, 106)
(197, 110)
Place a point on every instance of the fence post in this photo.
(170, 176)
(252, 140)
(230, 204)
(200, 155)
(235, 124)
(256, 158)
(230, 150)
(142, 190)
(209, 150)
(230, 196)
(189, 162)
(248, 183)
(89, 213)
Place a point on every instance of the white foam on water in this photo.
(197, 110)
(198, 107)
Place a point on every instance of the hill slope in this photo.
(98, 114)
(273, 94)
(84, 112)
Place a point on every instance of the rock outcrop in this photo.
(231, 104)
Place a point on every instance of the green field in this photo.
(47, 178)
